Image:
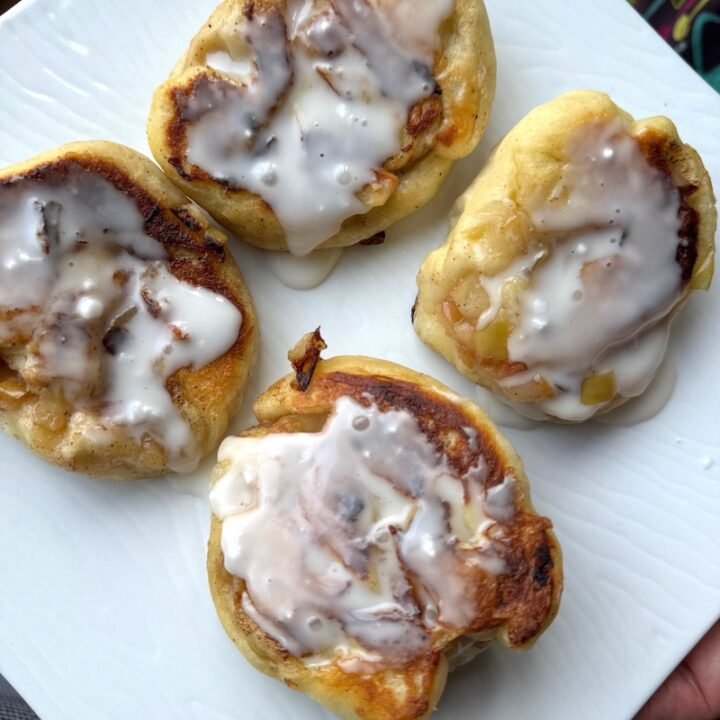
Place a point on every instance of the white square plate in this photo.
(104, 609)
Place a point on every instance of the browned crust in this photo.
(305, 356)
(377, 239)
(173, 230)
(176, 134)
(425, 115)
(658, 149)
(515, 606)
(196, 253)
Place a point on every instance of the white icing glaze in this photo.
(104, 319)
(241, 69)
(495, 284)
(307, 130)
(355, 542)
(412, 24)
(603, 273)
(649, 403)
(304, 273)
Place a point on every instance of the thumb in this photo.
(692, 692)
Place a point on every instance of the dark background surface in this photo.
(691, 28)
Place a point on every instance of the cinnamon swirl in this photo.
(319, 123)
(126, 330)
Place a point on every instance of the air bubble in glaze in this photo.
(361, 422)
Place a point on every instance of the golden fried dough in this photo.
(126, 331)
(373, 531)
(568, 258)
(320, 123)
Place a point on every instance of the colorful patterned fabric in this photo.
(692, 27)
